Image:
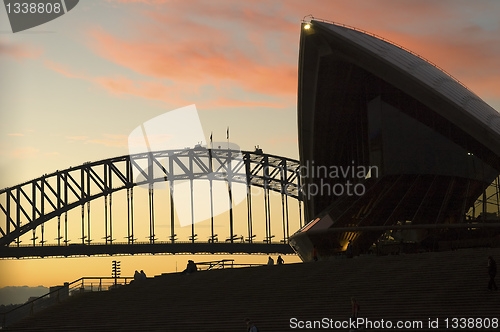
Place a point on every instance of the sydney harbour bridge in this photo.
(92, 209)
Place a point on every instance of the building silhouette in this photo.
(386, 138)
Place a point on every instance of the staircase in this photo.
(436, 285)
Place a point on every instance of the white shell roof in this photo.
(424, 71)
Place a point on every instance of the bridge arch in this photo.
(25, 207)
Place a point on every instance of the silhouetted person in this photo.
(190, 268)
(348, 251)
(251, 326)
(355, 308)
(143, 275)
(315, 254)
(137, 276)
(492, 271)
(280, 260)
(270, 261)
(354, 311)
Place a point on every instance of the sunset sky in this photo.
(73, 89)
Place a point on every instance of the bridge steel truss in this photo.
(28, 206)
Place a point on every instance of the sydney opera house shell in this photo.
(386, 139)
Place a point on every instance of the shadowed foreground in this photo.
(405, 287)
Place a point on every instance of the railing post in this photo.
(66, 290)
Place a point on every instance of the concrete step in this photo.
(405, 287)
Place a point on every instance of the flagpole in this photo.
(231, 229)
(210, 165)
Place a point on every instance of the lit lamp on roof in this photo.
(307, 21)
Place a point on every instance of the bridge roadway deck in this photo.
(144, 248)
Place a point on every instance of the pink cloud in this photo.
(174, 50)
(20, 51)
(120, 141)
(122, 85)
(61, 69)
(77, 138)
(253, 48)
(177, 94)
(471, 57)
(106, 140)
(233, 103)
(24, 153)
(366, 14)
(254, 45)
(449, 36)
(140, 1)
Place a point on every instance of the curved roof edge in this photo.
(436, 88)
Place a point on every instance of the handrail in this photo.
(212, 265)
(135, 243)
(79, 286)
(42, 302)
